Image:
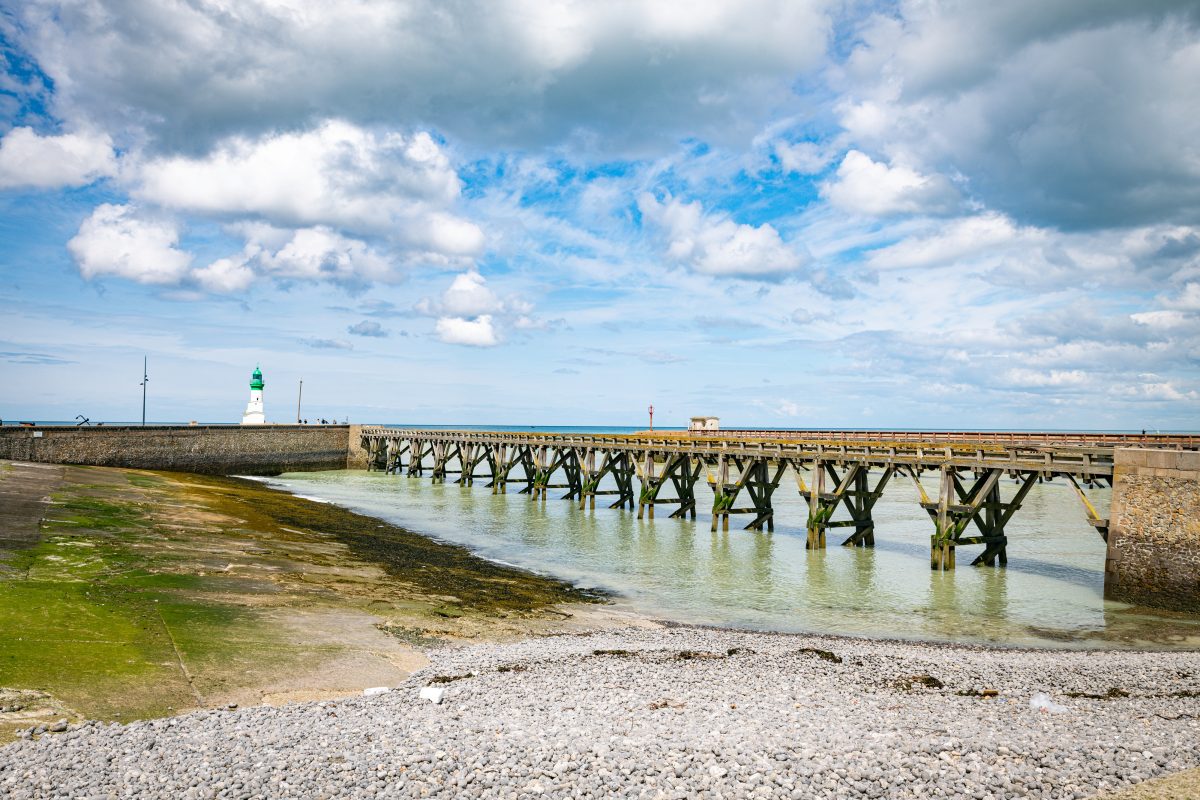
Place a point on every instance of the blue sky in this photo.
(799, 213)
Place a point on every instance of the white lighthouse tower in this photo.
(254, 409)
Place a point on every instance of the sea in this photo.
(1050, 594)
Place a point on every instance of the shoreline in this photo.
(673, 712)
(539, 698)
(1175, 631)
(129, 594)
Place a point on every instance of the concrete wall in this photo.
(356, 458)
(212, 449)
(1154, 529)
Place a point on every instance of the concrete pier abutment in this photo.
(1154, 529)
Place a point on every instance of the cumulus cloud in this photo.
(478, 332)
(53, 162)
(470, 313)
(469, 296)
(225, 275)
(323, 254)
(1071, 114)
(122, 241)
(368, 327)
(115, 240)
(864, 186)
(715, 244)
(335, 174)
(623, 74)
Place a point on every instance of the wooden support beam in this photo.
(759, 482)
(861, 504)
(681, 472)
(1094, 519)
(852, 490)
(983, 505)
(573, 472)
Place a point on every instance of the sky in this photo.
(803, 213)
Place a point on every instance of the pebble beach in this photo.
(671, 712)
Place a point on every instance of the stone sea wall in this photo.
(1154, 529)
(211, 449)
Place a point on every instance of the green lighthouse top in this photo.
(256, 381)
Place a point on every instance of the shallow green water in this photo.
(1050, 594)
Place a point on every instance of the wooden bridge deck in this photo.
(833, 470)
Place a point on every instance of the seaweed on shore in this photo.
(824, 655)
(431, 567)
(1113, 693)
(907, 683)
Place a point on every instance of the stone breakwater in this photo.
(677, 713)
(208, 449)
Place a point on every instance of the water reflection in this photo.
(1050, 593)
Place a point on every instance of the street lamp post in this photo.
(145, 380)
(299, 394)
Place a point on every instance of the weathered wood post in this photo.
(816, 528)
(1154, 529)
(942, 543)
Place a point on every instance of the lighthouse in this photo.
(254, 409)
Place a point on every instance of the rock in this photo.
(433, 694)
(575, 723)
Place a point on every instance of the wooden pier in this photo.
(841, 474)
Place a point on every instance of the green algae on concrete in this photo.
(92, 621)
(145, 594)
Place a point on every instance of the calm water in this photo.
(1049, 595)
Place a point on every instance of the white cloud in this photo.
(715, 244)
(622, 74)
(448, 235)
(1163, 319)
(52, 162)
(1155, 391)
(1188, 298)
(335, 174)
(323, 254)
(115, 240)
(225, 275)
(469, 296)
(1071, 114)
(957, 239)
(805, 158)
(1034, 379)
(868, 187)
(478, 332)
(469, 312)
